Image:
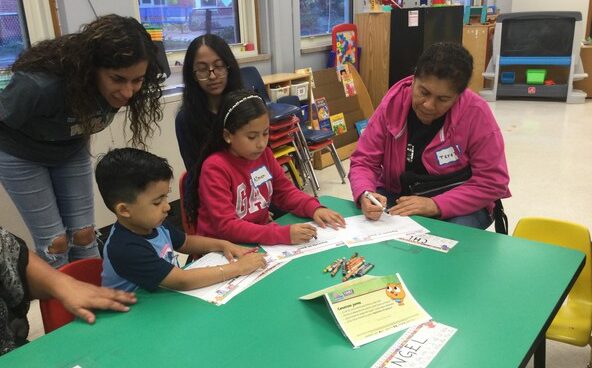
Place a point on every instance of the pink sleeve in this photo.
(215, 193)
(490, 178)
(366, 161)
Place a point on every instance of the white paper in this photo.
(222, 292)
(417, 347)
(429, 241)
(413, 18)
(361, 231)
(326, 239)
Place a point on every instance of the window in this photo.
(184, 20)
(13, 34)
(317, 17)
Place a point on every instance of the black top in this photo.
(190, 142)
(419, 135)
(34, 122)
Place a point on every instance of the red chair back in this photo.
(53, 313)
(187, 228)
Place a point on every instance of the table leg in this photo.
(540, 352)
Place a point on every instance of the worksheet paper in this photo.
(417, 346)
(222, 292)
(326, 239)
(360, 230)
(429, 241)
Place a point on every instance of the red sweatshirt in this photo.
(235, 194)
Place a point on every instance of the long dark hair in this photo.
(111, 42)
(194, 108)
(244, 106)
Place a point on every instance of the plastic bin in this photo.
(536, 76)
(300, 90)
(508, 77)
(279, 91)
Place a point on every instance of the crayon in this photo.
(364, 270)
(352, 271)
(334, 272)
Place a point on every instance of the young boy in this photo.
(134, 185)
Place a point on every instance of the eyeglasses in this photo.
(203, 74)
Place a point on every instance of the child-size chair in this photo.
(187, 227)
(573, 322)
(53, 313)
(315, 140)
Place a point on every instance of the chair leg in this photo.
(307, 155)
(337, 162)
(295, 175)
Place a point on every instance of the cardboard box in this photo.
(586, 84)
(354, 108)
(477, 39)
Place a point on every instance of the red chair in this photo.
(189, 229)
(53, 313)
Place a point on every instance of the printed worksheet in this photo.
(222, 292)
(417, 347)
(429, 241)
(360, 230)
(326, 239)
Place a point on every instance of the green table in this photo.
(498, 291)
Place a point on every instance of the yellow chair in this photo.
(284, 152)
(573, 323)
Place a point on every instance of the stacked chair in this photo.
(287, 127)
(316, 141)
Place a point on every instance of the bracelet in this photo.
(222, 271)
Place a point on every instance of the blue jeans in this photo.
(480, 219)
(54, 201)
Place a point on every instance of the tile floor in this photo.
(549, 157)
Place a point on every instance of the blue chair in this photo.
(252, 81)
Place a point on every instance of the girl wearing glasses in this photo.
(209, 71)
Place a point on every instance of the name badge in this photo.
(260, 176)
(446, 156)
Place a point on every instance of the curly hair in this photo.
(241, 106)
(110, 42)
(446, 60)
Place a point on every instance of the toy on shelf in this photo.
(344, 47)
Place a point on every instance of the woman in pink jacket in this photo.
(431, 125)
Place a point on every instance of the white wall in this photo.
(554, 5)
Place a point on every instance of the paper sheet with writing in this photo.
(429, 241)
(417, 347)
(369, 308)
(326, 239)
(222, 292)
(360, 230)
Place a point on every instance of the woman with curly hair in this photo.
(61, 92)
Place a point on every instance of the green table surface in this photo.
(499, 292)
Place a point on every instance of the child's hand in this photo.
(324, 216)
(301, 233)
(250, 262)
(232, 251)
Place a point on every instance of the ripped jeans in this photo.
(56, 203)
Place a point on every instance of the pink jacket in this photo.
(235, 194)
(470, 136)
